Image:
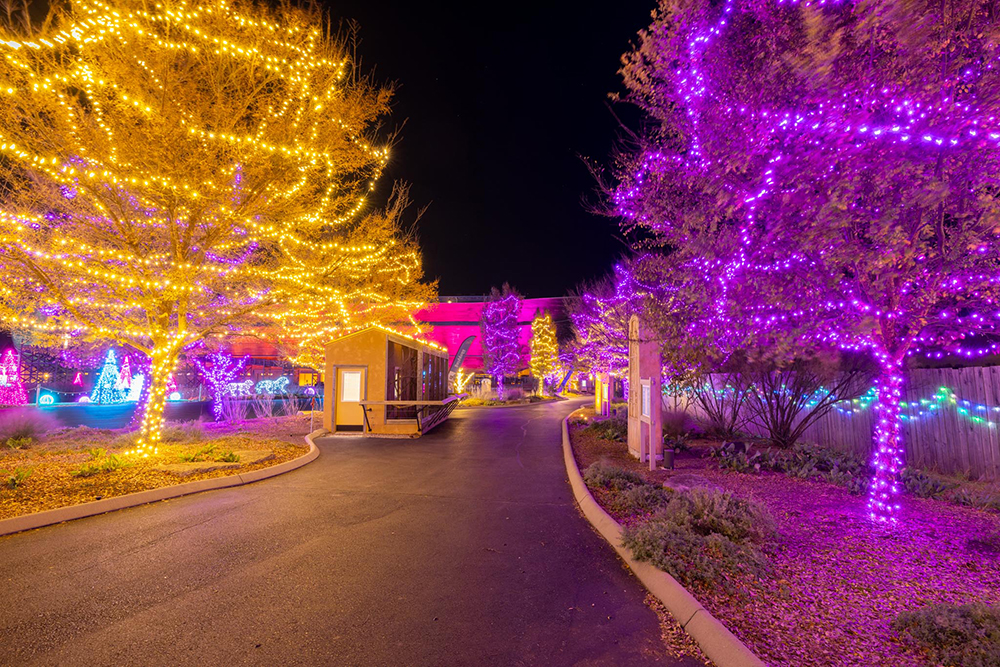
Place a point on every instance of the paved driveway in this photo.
(461, 548)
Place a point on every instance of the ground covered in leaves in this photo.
(78, 465)
(836, 582)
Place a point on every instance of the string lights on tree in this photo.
(830, 163)
(544, 349)
(600, 316)
(223, 370)
(177, 171)
(501, 350)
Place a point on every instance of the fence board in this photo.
(942, 439)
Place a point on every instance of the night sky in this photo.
(500, 101)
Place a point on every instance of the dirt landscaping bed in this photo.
(77, 465)
(832, 583)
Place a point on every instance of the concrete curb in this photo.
(718, 643)
(18, 524)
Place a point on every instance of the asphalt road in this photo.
(461, 548)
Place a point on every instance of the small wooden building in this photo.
(381, 381)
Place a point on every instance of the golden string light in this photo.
(544, 348)
(182, 170)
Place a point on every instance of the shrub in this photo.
(12, 480)
(115, 462)
(229, 457)
(25, 423)
(613, 428)
(606, 476)
(19, 442)
(923, 485)
(87, 470)
(983, 500)
(704, 537)
(94, 466)
(513, 394)
(201, 454)
(97, 453)
(738, 457)
(638, 500)
(624, 492)
(707, 560)
(676, 423)
(708, 511)
(967, 635)
(803, 461)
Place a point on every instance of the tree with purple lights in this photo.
(176, 172)
(600, 313)
(223, 371)
(836, 165)
(499, 330)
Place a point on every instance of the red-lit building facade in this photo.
(454, 321)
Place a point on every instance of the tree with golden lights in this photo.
(544, 349)
(177, 171)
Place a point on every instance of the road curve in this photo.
(460, 548)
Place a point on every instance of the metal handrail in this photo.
(450, 399)
(420, 405)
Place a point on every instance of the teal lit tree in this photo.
(107, 388)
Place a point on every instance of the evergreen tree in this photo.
(106, 389)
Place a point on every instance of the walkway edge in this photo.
(720, 645)
(19, 524)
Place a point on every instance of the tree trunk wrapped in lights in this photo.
(831, 168)
(177, 171)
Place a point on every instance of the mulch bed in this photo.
(51, 484)
(838, 581)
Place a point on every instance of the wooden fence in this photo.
(951, 422)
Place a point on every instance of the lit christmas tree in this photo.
(11, 388)
(106, 390)
(223, 371)
(544, 349)
(199, 169)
